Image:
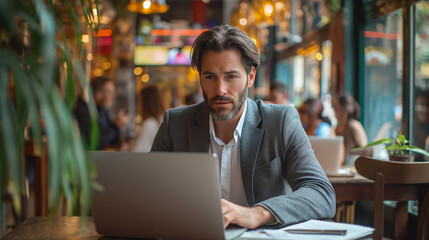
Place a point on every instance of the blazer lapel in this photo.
(199, 137)
(250, 143)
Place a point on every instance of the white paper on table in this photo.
(353, 231)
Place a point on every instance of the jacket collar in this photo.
(249, 147)
(199, 134)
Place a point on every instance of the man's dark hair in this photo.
(225, 37)
(278, 86)
(97, 83)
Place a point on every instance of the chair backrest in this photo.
(390, 172)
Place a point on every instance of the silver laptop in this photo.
(159, 195)
(329, 152)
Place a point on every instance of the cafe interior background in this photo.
(378, 51)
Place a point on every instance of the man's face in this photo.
(224, 83)
(422, 109)
(304, 115)
(108, 95)
(339, 111)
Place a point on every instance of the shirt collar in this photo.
(238, 129)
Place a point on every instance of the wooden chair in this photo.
(390, 172)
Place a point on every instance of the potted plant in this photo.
(398, 148)
(41, 55)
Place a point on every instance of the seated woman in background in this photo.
(152, 112)
(311, 117)
(347, 112)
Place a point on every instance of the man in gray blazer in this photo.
(269, 174)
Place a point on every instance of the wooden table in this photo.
(358, 188)
(55, 228)
(348, 190)
(47, 228)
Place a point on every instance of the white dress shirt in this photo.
(229, 162)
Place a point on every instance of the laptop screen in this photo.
(329, 152)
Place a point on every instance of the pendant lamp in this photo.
(148, 6)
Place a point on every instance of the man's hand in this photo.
(122, 118)
(250, 218)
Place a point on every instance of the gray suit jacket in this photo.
(278, 166)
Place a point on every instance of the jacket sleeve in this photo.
(312, 196)
(162, 141)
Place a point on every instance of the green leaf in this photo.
(381, 141)
(48, 50)
(417, 150)
(393, 147)
(78, 29)
(6, 17)
(53, 151)
(11, 145)
(401, 139)
(96, 25)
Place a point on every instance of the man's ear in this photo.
(251, 75)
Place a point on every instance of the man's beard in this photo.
(221, 113)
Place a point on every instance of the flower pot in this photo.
(401, 158)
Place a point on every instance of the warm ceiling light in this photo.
(145, 78)
(273, 11)
(239, 17)
(138, 71)
(85, 38)
(268, 9)
(148, 6)
(242, 21)
(319, 56)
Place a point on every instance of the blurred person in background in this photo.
(194, 97)
(152, 112)
(312, 120)
(104, 94)
(422, 122)
(347, 112)
(279, 94)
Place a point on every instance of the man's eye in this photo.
(208, 77)
(232, 76)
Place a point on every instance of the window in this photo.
(421, 77)
(326, 58)
(382, 83)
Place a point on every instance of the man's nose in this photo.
(221, 87)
